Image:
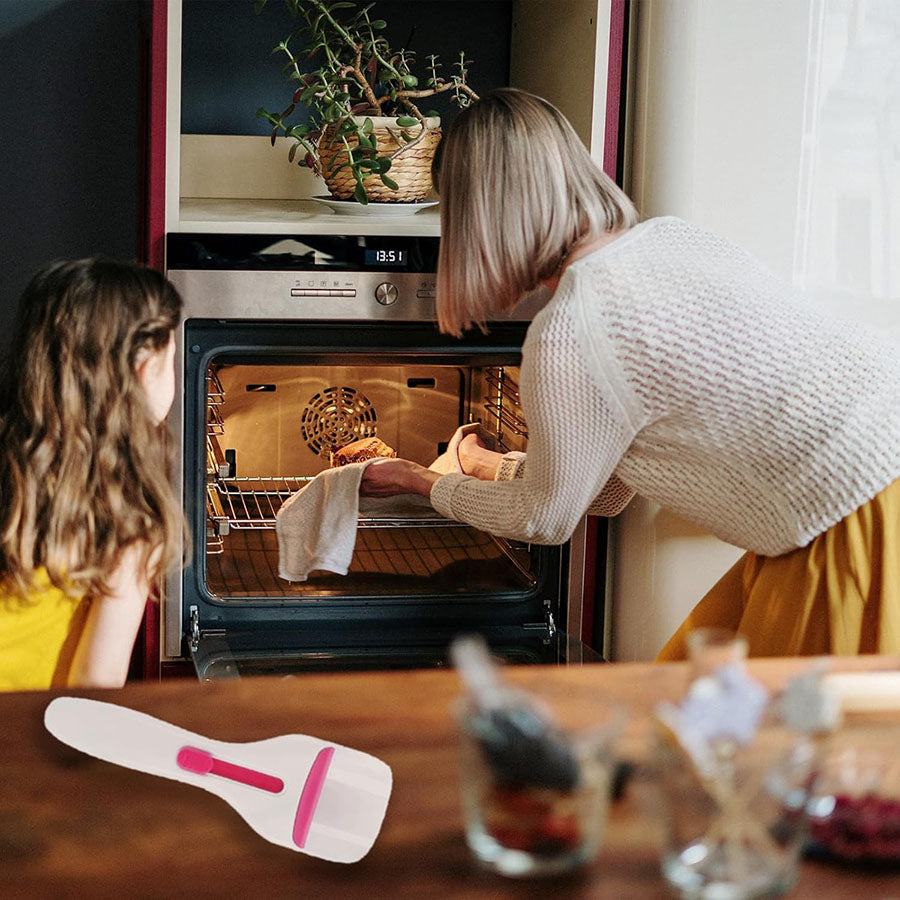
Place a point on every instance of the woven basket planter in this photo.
(410, 169)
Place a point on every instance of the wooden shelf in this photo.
(245, 216)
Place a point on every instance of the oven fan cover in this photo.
(335, 417)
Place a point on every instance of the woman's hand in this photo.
(386, 477)
(475, 458)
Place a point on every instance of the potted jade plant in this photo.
(365, 134)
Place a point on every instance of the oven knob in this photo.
(386, 293)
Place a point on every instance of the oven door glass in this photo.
(272, 429)
(221, 657)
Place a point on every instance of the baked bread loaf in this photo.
(366, 448)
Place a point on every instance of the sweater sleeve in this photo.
(575, 442)
(614, 497)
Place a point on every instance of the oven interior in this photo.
(271, 427)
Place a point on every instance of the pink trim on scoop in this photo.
(309, 796)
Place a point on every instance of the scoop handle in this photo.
(117, 734)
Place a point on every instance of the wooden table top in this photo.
(74, 826)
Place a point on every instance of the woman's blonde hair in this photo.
(84, 470)
(518, 189)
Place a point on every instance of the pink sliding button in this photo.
(202, 763)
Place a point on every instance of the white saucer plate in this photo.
(352, 208)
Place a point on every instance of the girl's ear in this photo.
(146, 366)
(156, 375)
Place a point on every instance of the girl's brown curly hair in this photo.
(84, 471)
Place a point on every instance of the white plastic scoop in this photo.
(296, 791)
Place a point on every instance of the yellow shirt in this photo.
(38, 636)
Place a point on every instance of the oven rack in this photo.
(215, 397)
(503, 406)
(252, 502)
(249, 566)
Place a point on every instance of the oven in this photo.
(290, 347)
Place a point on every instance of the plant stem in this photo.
(448, 86)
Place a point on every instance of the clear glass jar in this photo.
(528, 823)
(711, 648)
(733, 813)
(738, 834)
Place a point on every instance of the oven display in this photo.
(303, 252)
(385, 257)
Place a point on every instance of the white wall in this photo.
(777, 124)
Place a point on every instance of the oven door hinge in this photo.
(196, 635)
(194, 640)
(548, 626)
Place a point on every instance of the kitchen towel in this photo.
(316, 527)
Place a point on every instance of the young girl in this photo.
(670, 363)
(88, 519)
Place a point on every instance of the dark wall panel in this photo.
(70, 105)
(229, 71)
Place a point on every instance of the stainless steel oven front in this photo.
(291, 346)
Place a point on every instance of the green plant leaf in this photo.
(407, 121)
(292, 152)
(432, 113)
(360, 195)
(379, 25)
(410, 81)
(367, 126)
(389, 182)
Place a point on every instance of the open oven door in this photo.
(217, 655)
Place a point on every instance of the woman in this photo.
(673, 364)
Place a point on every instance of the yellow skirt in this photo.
(840, 594)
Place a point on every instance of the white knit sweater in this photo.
(673, 364)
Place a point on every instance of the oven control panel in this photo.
(305, 276)
(385, 289)
(408, 296)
